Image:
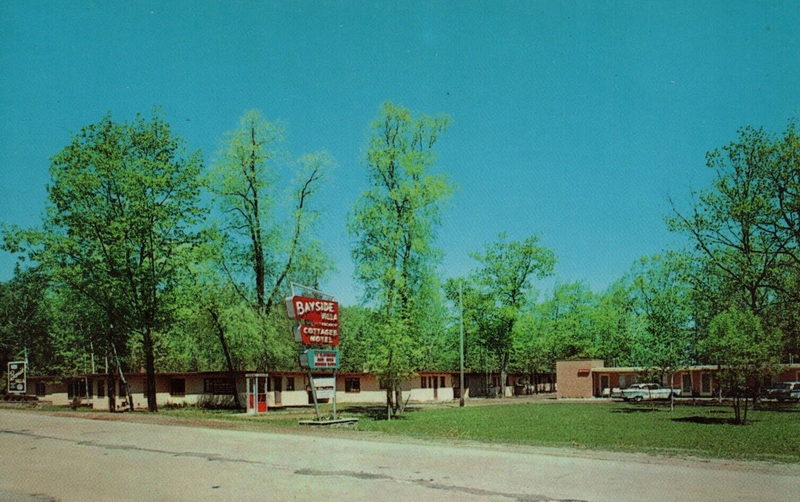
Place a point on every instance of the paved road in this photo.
(46, 457)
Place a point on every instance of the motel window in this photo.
(101, 388)
(289, 383)
(352, 385)
(177, 387)
(76, 388)
(441, 381)
(218, 386)
(40, 389)
(424, 382)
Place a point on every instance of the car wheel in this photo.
(637, 399)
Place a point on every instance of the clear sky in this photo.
(572, 120)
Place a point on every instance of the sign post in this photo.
(317, 326)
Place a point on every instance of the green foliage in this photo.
(497, 293)
(661, 295)
(394, 220)
(745, 352)
(356, 326)
(25, 320)
(745, 229)
(393, 225)
(123, 205)
(260, 249)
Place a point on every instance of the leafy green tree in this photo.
(393, 225)
(503, 284)
(123, 206)
(727, 221)
(478, 317)
(661, 293)
(264, 250)
(615, 325)
(745, 352)
(25, 321)
(356, 324)
(783, 224)
(745, 228)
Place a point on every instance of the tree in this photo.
(503, 282)
(393, 225)
(356, 326)
(615, 325)
(746, 229)
(123, 205)
(661, 293)
(25, 321)
(245, 180)
(727, 222)
(783, 224)
(745, 352)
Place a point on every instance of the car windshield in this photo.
(782, 386)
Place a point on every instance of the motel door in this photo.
(276, 386)
(686, 384)
(603, 384)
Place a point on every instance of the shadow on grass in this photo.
(710, 420)
(377, 412)
(779, 408)
(635, 409)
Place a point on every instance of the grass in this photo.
(704, 431)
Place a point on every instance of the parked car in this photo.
(615, 392)
(648, 392)
(785, 391)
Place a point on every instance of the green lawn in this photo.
(703, 431)
(688, 430)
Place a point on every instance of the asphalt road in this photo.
(45, 457)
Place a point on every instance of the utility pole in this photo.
(461, 322)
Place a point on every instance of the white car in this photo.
(785, 391)
(648, 392)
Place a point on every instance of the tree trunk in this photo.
(503, 374)
(226, 352)
(671, 394)
(111, 385)
(150, 371)
(259, 266)
(398, 400)
(388, 402)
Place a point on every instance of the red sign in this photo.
(320, 313)
(313, 335)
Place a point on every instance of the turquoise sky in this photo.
(572, 120)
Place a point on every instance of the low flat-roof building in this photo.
(215, 389)
(585, 378)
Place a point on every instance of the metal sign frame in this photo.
(17, 377)
(304, 356)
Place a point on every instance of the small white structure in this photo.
(256, 384)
